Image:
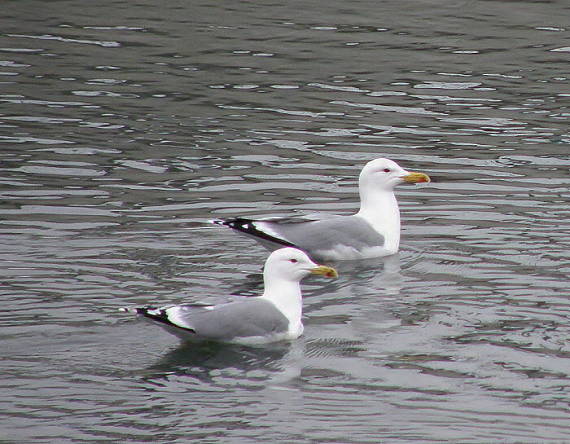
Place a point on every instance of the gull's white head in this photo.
(385, 174)
(293, 265)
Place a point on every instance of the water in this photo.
(124, 127)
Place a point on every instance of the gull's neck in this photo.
(380, 209)
(286, 296)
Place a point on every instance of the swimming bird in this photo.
(273, 316)
(374, 231)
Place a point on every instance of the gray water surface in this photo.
(126, 126)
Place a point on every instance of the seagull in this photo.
(374, 231)
(273, 316)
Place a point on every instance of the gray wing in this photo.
(325, 234)
(310, 234)
(246, 318)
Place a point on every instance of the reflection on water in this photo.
(124, 128)
(208, 362)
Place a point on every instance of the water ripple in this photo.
(120, 142)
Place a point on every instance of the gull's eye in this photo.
(386, 170)
(293, 261)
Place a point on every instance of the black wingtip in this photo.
(247, 226)
(236, 223)
(161, 317)
(144, 311)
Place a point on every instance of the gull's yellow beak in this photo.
(325, 271)
(416, 178)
